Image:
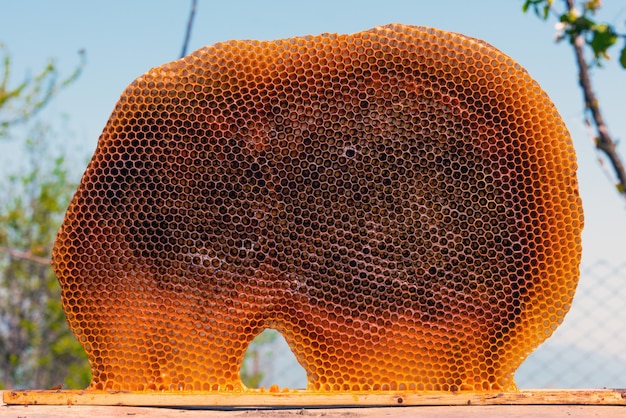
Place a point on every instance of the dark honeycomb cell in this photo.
(400, 203)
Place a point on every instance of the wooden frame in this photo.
(303, 398)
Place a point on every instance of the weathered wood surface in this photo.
(474, 411)
(301, 398)
(536, 403)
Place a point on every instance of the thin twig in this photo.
(25, 256)
(603, 141)
(192, 14)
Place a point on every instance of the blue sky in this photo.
(125, 38)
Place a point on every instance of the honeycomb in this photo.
(401, 204)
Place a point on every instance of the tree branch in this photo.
(192, 13)
(25, 256)
(604, 142)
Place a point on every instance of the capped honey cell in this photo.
(401, 204)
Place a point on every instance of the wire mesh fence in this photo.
(587, 351)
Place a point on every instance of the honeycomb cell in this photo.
(401, 204)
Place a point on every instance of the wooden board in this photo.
(478, 411)
(293, 398)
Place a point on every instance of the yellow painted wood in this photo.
(302, 398)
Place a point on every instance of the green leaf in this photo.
(568, 17)
(583, 23)
(604, 36)
(540, 13)
(622, 57)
